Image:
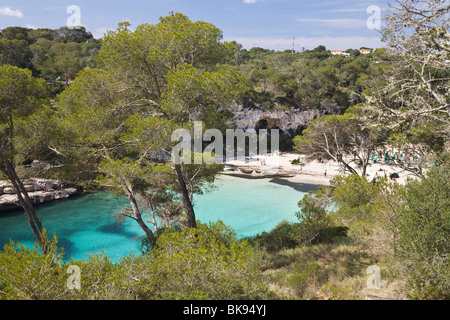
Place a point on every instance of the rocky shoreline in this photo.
(39, 190)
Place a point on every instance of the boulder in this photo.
(8, 202)
(29, 188)
(35, 164)
(9, 190)
(55, 186)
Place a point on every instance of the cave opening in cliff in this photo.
(267, 124)
(262, 125)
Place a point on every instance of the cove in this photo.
(86, 224)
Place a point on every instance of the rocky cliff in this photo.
(290, 122)
(39, 191)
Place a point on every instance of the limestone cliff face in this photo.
(289, 122)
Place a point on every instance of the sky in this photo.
(270, 24)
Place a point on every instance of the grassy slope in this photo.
(332, 271)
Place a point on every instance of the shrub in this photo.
(423, 239)
(304, 278)
(365, 207)
(204, 263)
(313, 218)
(27, 274)
(285, 235)
(329, 234)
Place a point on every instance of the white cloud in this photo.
(7, 11)
(281, 44)
(250, 1)
(341, 23)
(347, 10)
(100, 32)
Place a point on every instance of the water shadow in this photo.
(298, 186)
(68, 247)
(8, 213)
(116, 228)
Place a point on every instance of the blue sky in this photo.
(271, 24)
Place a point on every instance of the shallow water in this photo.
(86, 224)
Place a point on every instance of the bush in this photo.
(204, 263)
(423, 239)
(27, 274)
(365, 207)
(304, 277)
(329, 234)
(285, 235)
(313, 218)
(314, 227)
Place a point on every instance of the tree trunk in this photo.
(340, 159)
(366, 161)
(152, 209)
(192, 223)
(27, 205)
(138, 216)
(22, 194)
(364, 169)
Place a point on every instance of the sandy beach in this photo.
(315, 172)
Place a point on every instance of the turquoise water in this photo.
(86, 224)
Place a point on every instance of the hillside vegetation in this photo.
(109, 109)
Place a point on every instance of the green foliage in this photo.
(27, 274)
(321, 271)
(196, 264)
(16, 33)
(423, 240)
(14, 52)
(210, 89)
(304, 79)
(414, 219)
(34, 135)
(313, 217)
(153, 80)
(298, 162)
(204, 263)
(315, 221)
(284, 236)
(314, 227)
(49, 53)
(365, 207)
(67, 35)
(353, 191)
(21, 95)
(304, 276)
(344, 139)
(116, 121)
